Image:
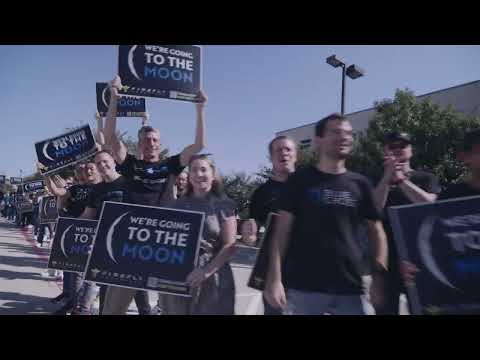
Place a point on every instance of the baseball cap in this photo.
(395, 136)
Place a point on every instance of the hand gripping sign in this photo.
(126, 107)
(161, 71)
(71, 244)
(443, 240)
(64, 150)
(147, 248)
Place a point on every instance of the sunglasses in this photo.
(398, 146)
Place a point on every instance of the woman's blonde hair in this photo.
(217, 185)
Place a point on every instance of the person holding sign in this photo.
(469, 154)
(265, 199)
(400, 185)
(113, 188)
(148, 176)
(212, 283)
(71, 203)
(318, 234)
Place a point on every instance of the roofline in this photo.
(373, 107)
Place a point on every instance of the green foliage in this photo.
(436, 134)
(239, 187)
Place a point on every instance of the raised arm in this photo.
(99, 134)
(119, 149)
(199, 144)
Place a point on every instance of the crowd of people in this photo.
(332, 250)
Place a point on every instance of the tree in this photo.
(239, 187)
(436, 135)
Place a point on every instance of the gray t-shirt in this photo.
(216, 210)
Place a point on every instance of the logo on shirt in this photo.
(331, 197)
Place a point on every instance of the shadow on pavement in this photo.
(22, 304)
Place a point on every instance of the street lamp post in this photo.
(352, 71)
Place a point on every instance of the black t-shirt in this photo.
(78, 200)
(396, 197)
(458, 191)
(114, 191)
(265, 200)
(148, 181)
(324, 253)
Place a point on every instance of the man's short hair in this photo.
(104, 152)
(144, 130)
(322, 124)
(471, 139)
(278, 138)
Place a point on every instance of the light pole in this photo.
(352, 71)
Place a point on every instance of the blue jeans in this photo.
(317, 303)
(83, 296)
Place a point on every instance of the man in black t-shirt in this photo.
(113, 188)
(265, 199)
(150, 180)
(321, 213)
(400, 185)
(71, 202)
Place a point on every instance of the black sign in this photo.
(163, 71)
(71, 244)
(443, 240)
(48, 212)
(64, 150)
(15, 180)
(145, 247)
(259, 272)
(127, 106)
(33, 186)
(2, 179)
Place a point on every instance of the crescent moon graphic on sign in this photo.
(130, 62)
(103, 96)
(425, 249)
(62, 241)
(45, 151)
(110, 236)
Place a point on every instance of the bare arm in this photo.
(112, 141)
(228, 233)
(199, 144)
(416, 194)
(89, 214)
(55, 188)
(379, 243)
(383, 188)
(274, 291)
(99, 135)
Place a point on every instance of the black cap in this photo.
(395, 136)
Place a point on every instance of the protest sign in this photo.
(443, 240)
(258, 275)
(2, 179)
(71, 244)
(15, 180)
(61, 151)
(48, 212)
(33, 186)
(163, 71)
(145, 247)
(127, 106)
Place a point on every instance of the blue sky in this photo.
(254, 91)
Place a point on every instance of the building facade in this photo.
(464, 98)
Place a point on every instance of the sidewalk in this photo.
(22, 290)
